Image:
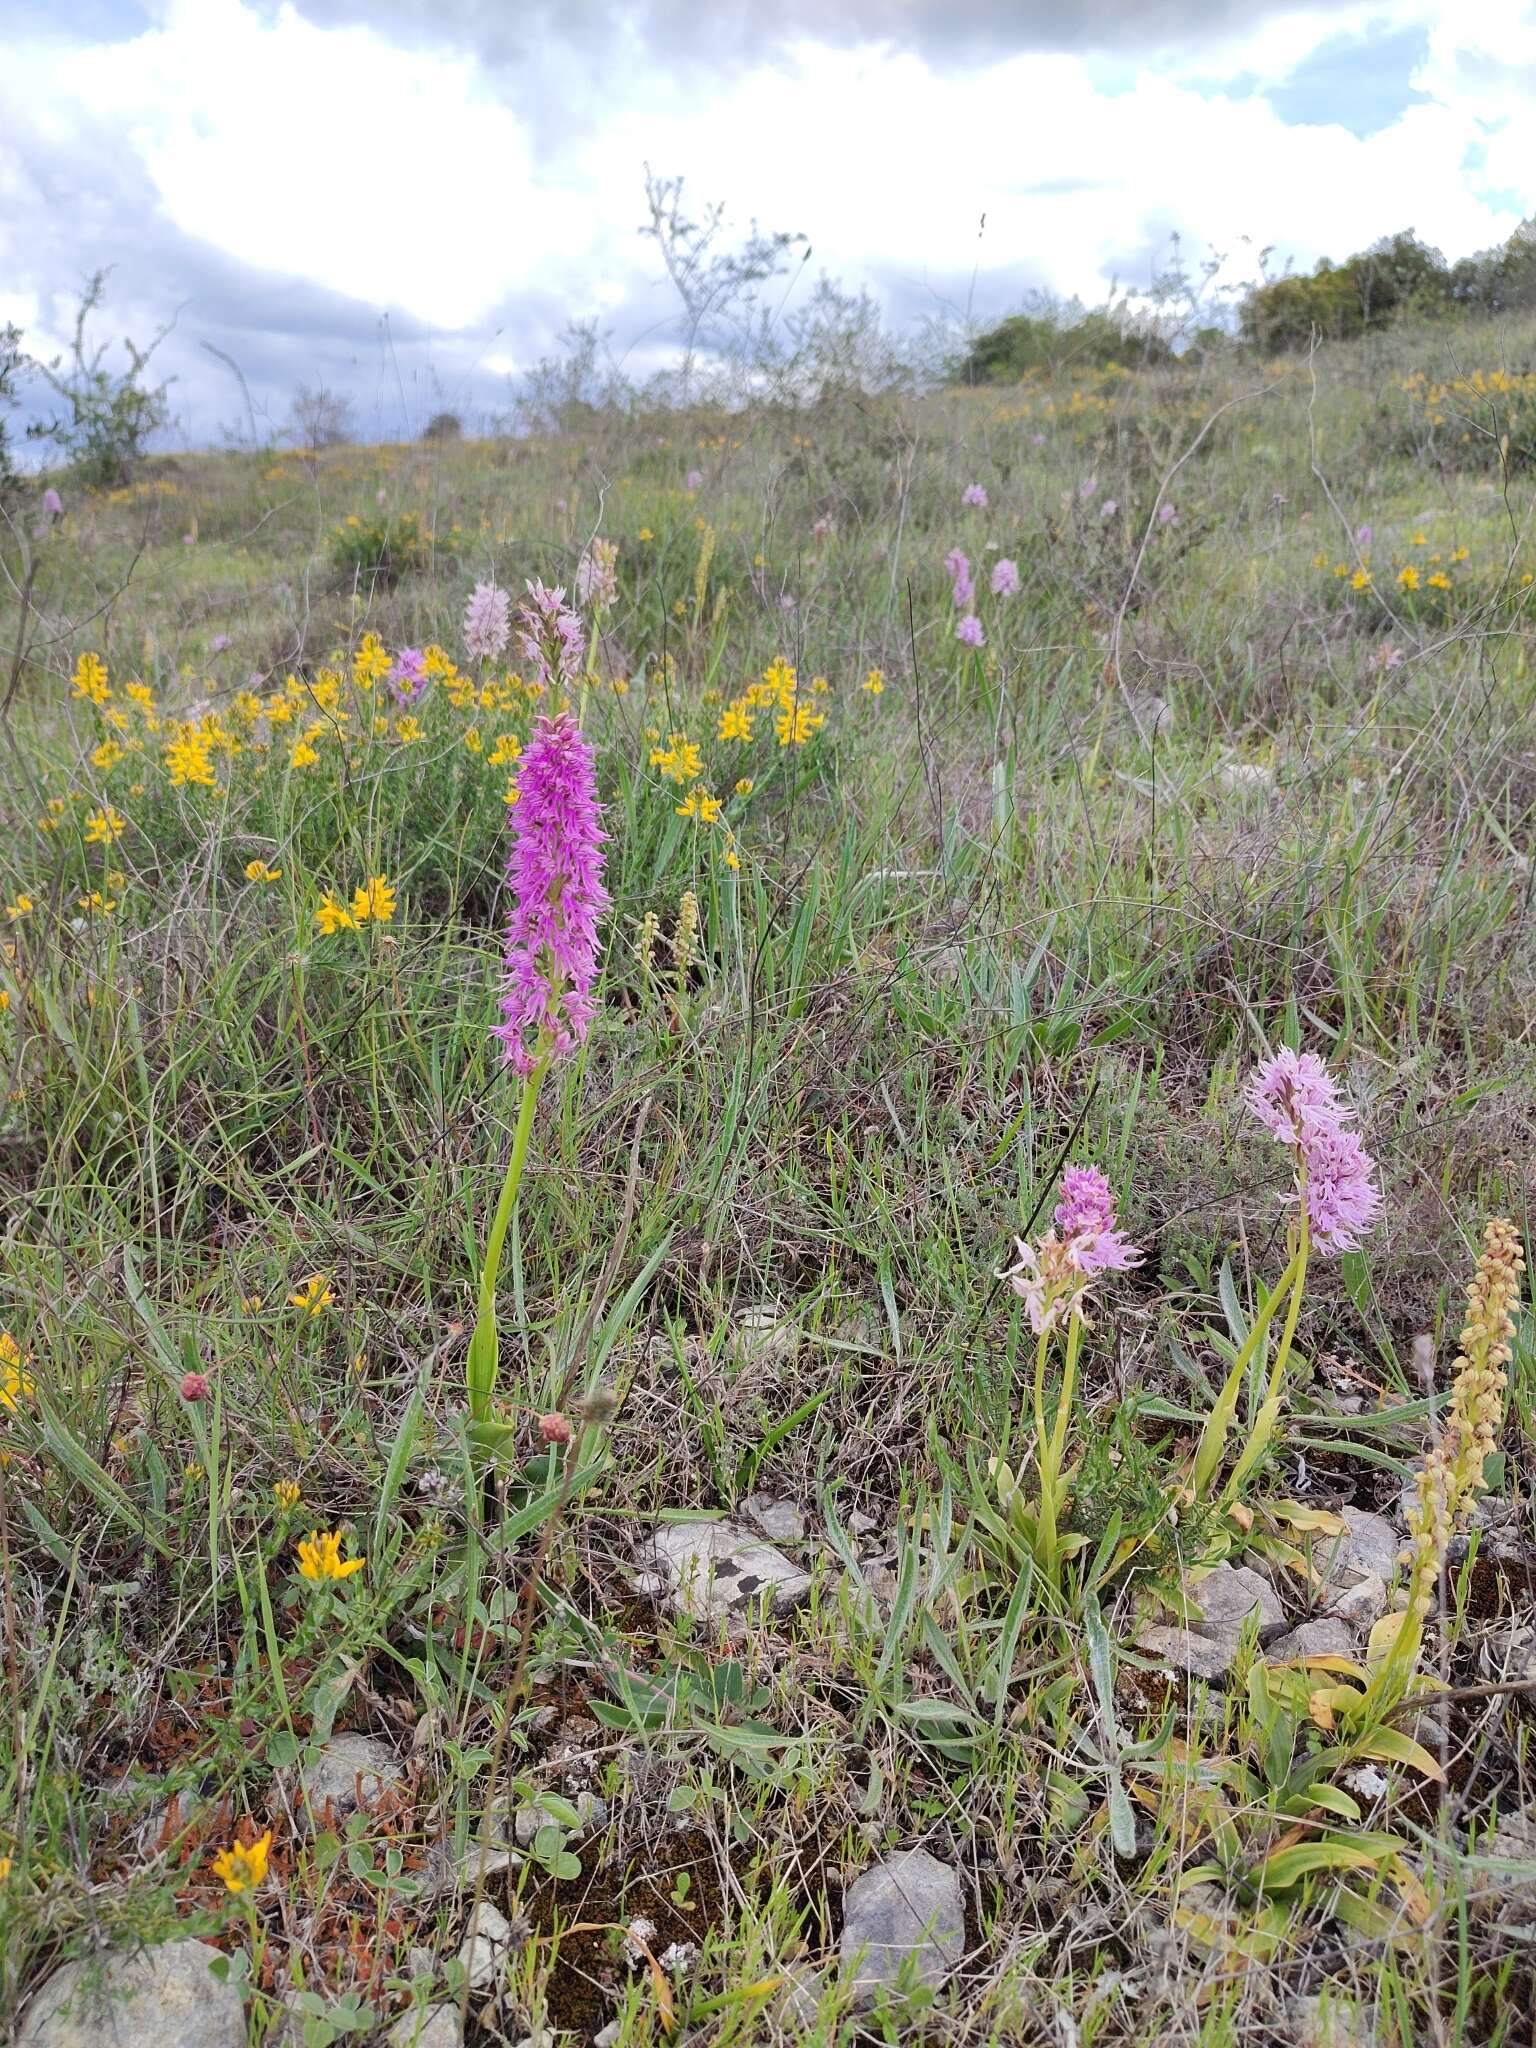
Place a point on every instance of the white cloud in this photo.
(410, 179)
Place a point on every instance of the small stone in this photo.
(608, 2035)
(1370, 1544)
(1362, 1602)
(801, 1992)
(764, 1335)
(1182, 1650)
(906, 1911)
(435, 2026)
(781, 1520)
(861, 1524)
(485, 1946)
(715, 1571)
(349, 1766)
(152, 1998)
(1329, 2022)
(1227, 1595)
(1329, 1637)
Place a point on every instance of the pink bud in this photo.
(194, 1386)
(555, 1429)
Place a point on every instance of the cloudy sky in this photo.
(408, 199)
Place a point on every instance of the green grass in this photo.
(1195, 797)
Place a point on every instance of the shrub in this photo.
(319, 418)
(443, 426)
(1056, 338)
(10, 373)
(111, 415)
(377, 552)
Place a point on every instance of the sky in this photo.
(409, 200)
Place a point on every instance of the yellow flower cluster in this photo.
(320, 1558)
(243, 1866)
(374, 902)
(15, 1386)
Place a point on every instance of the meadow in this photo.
(952, 1334)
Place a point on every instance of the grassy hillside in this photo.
(901, 927)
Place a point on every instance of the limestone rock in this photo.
(780, 1520)
(909, 1906)
(434, 2026)
(1182, 1650)
(1329, 1637)
(1329, 2022)
(154, 1998)
(1227, 1595)
(718, 1571)
(485, 1946)
(350, 1769)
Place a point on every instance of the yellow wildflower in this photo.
(334, 917)
(313, 1296)
(407, 731)
(1409, 578)
(258, 871)
(286, 1494)
(95, 904)
(699, 804)
(188, 760)
(745, 786)
(103, 826)
(15, 1386)
(90, 679)
(243, 1865)
(376, 900)
(303, 755)
(680, 759)
(736, 721)
(107, 756)
(511, 793)
(1439, 581)
(1361, 580)
(22, 907)
(507, 752)
(472, 740)
(320, 1558)
(797, 723)
(874, 682)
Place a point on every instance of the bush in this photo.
(111, 414)
(319, 418)
(1395, 276)
(377, 552)
(1059, 339)
(10, 374)
(443, 426)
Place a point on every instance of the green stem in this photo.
(481, 1368)
(1219, 1422)
(1269, 1411)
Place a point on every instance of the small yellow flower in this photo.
(699, 804)
(313, 1296)
(303, 755)
(15, 1386)
(1361, 580)
(96, 905)
(874, 682)
(250, 1303)
(376, 900)
(243, 1866)
(107, 756)
(22, 907)
(646, 533)
(1421, 540)
(473, 741)
(320, 1558)
(103, 826)
(90, 679)
(736, 721)
(797, 723)
(1409, 577)
(286, 1494)
(507, 752)
(511, 793)
(745, 786)
(258, 871)
(1459, 554)
(1439, 581)
(407, 731)
(333, 916)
